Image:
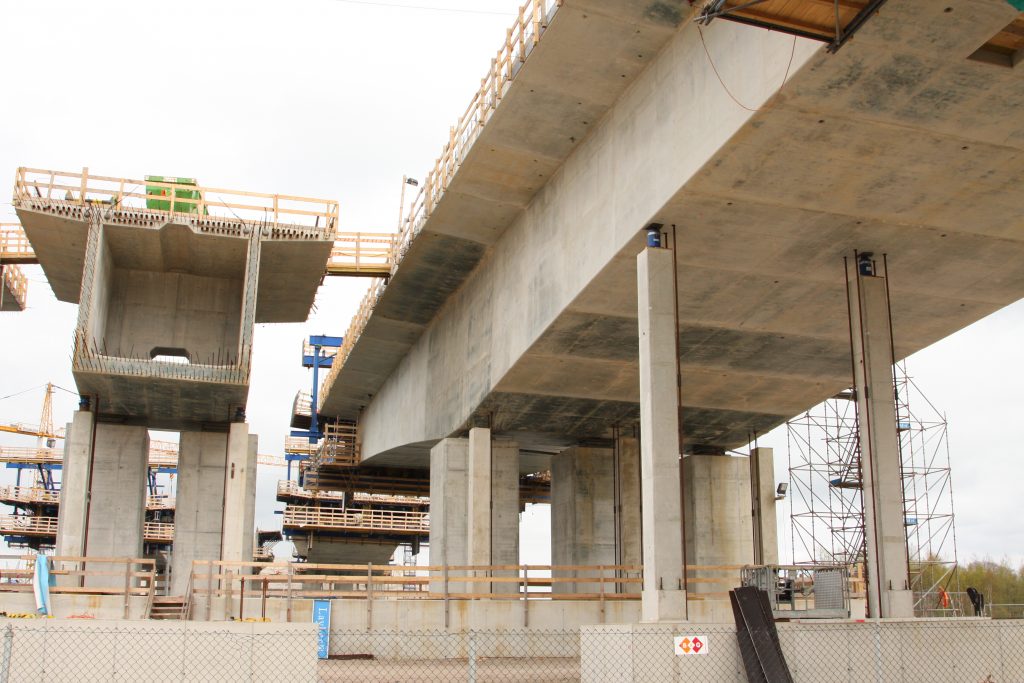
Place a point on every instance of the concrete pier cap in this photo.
(168, 301)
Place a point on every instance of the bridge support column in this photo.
(888, 587)
(505, 512)
(628, 549)
(474, 507)
(762, 493)
(663, 596)
(448, 522)
(117, 497)
(239, 495)
(582, 514)
(74, 486)
(103, 492)
(716, 496)
(199, 510)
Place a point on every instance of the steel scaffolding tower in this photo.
(827, 512)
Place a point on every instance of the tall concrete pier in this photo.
(168, 292)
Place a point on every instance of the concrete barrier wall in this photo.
(909, 651)
(67, 605)
(78, 651)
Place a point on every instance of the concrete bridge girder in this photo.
(847, 156)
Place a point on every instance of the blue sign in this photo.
(322, 618)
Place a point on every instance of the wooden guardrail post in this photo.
(229, 595)
(263, 601)
(600, 574)
(288, 604)
(127, 584)
(85, 184)
(444, 587)
(209, 591)
(526, 596)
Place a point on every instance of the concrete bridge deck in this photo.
(515, 302)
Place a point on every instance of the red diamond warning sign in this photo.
(691, 645)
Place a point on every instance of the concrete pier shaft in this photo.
(888, 580)
(215, 503)
(595, 511)
(716, 496)
(239, 494)
(663, 596)
(762, 503)
(474, 507)
(103, 492)
(582, 514)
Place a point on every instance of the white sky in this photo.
(338, 99)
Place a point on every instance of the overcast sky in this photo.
(338, 99)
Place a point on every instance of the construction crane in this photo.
(44, 456)
(44, 429)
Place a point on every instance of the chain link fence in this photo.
(962, 651)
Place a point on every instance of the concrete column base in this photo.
(898, 603)
(659, 606)
(199, 506)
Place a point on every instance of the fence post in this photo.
(369, 596)
(472, 657)
(878, 650)
(5, 662)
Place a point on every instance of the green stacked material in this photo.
(1019, 4)
(158, 198)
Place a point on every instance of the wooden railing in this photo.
(339, 447)
(30, 454)
(302, 404)
(27, 525)
(248, 593)
(123, 576)
(362, 254)
(520, 40)
(14, 245)
(158, 532)
(30, 494)
(291, 489)
(16, 283)
(31, 525)
(355, 330)
(299, 445)
(36, 494)
(83, 188)
(161, 453)
(356, 520)
(160, 502)
(31, 430)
